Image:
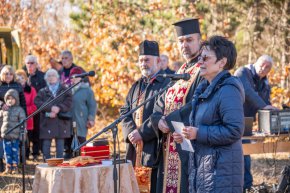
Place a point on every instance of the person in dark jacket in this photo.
(51, 125)
(172, 174)
(217, 123)
(36, 80)
(257, 91)
(256, 85)
(67, 63)
(35, 76)
(164, 61)
(141, 139)
(7, 81)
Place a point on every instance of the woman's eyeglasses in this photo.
(204, 58)
(8, 73)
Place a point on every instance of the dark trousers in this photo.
(81, 139)
(153, 180)
(248, 178)
(59, 143)
(1, 149)
(67, 147)
(35, 144)
(33, 136)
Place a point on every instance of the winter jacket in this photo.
(4, 87)
(216, 166)
(54, 127)
(30, 94)
(37, 80)
(257, 90)
(11, 117)
(84, 107)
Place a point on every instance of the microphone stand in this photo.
(113, 127)
(23, 129)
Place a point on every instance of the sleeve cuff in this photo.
(155, 120)
(202, 135)
(91, 118)
(141, 134)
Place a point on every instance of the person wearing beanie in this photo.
(9, 119)
(141, 139)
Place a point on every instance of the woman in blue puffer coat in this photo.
(217, 123)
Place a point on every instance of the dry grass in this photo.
(13, 183)
(267, 167)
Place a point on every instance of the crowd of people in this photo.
(24, 91)
(211, 105)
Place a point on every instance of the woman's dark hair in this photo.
(223, 48)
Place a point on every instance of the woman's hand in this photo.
(190, 132)
(55, 109)
(52, 114)
(90, 124)
(162, 125)
(178, 138)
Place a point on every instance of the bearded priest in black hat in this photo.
(173, 166)
(141, 139)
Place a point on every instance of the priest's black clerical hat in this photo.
(149, 48)
(187, 26)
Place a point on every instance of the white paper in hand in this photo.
(186, 144)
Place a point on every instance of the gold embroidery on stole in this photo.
(172, 165)
(143, 174)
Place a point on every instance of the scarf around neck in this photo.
(53, 88)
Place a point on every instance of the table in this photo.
(267, 144)
(90, 179)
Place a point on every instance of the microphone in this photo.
(90, 73)
(185, 76)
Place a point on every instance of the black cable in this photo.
(119, 161)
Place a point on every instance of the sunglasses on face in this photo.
(204, 58)
(30, 63)
(7, 73)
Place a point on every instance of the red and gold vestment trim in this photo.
(175, 98)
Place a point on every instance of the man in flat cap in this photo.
(172, 174)
(141, 139)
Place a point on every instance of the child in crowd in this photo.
(29, 94)
(8, 120)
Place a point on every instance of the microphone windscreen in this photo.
(186, 76)
(92, 73)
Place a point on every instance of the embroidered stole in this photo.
(143, 174)
(175, 98)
